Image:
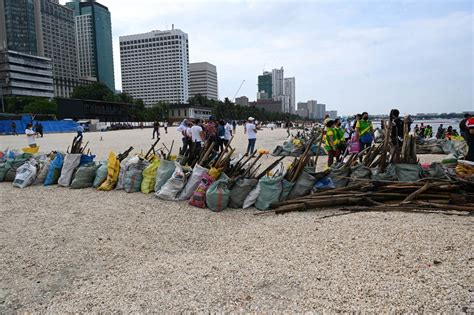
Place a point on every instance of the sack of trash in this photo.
(101, 174)
(340, 176)
(163, 173)
(174, 185)
(198, 198)
(270, 191)
(303, 186)
(71, 161)
(251, 197)
(149, 176)
(134, 175)
(113, 170)
(18, 161)
(54, 171)
(84, 176)
(218, 194)
(240, 191)
(124, 166)
(193, 182)
(26, 174)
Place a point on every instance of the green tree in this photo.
(95, 91)
(41, 106)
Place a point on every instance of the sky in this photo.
(353, 56)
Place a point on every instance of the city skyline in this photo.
(353, 56)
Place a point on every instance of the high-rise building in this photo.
(57, 41)
(155, 66)
(242, 101)
(265, 86)
(18, 27)
(320, 111)
(277, 82)
(25, 75)
(203, 80)
(94, 41)
(289, 91)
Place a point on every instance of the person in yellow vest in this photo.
(340, 140)
(365, 131)
(330, 144)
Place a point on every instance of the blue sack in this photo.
(54, 171)
(367, 138)
(324, 183)
(85, 159)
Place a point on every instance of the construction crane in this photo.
(243, 81)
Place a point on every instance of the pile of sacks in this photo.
(167, 179)
(295, 146)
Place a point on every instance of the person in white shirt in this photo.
(30, 135)
(197, 137)
(228, 133)
(251, 131)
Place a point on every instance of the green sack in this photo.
(303, 185)
(84, 176)
(134, 175)
(270, 191)
(240, 190)
(163, 173)
(15, 164)
(100, 175)
(408, 172)
(287, 186)
(4, 167)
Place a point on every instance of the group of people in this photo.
(423, 131)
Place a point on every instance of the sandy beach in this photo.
(65, 250)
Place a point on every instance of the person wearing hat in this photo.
(251, 131)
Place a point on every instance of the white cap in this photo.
(251, 118)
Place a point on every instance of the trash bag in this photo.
(303, 186)
(71, 161)
(270, 191)
(174, 185)
(240, 190)
(287, 186)
(340, 176)
(84, 176)
(87, 159)
(43, 167)
(218, 194)
(163, 173)
(18, 161)
(54, 170)
(277, 151)
(100, 175)
(435, 170)
(390, 174)
(134, 176)
(193, 182)
(124, 166)
(26, 174)
(251, 197)
(324, 183)
(408, 172)
(360, 171)
(149, 177)
(4, 167)
(198, 198)
(113, 170)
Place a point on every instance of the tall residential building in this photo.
(203, 80)
(18, 26)
(277, 82)
(155, 66)
(94, 41)
(265, 86)
(57, 40)
(289, 90)
(25, 75)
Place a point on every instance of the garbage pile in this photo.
(295, 145)
(441, 146)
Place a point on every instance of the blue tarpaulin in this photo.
(49, 126)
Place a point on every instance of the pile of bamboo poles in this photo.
(444, 195)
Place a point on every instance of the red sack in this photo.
(198, 198)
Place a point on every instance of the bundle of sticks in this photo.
(77, 147)
(389, 196)
(299, 163)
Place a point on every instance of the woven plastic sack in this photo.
(100, 175)
(324, 183)
(134, 176)
(360, 172)
(84, 176)
(287, 186)
(435, 170)
(124, 166)
(240, 191)
(193, 182)
(251, 197)
(71, 161)
(26, 174)
(270, 191)
(54, 170)
(408, 172)
(149, 177)
(174, 185)
(113, 170)
(87, 159)
(218, 194)
(198, 198)
(18, 161)
(4, 167)
(43, 171)
(303, 186)
(163, 173)
(340, 176)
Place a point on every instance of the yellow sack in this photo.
(149, 177)
(113, 170)
(215, 172)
